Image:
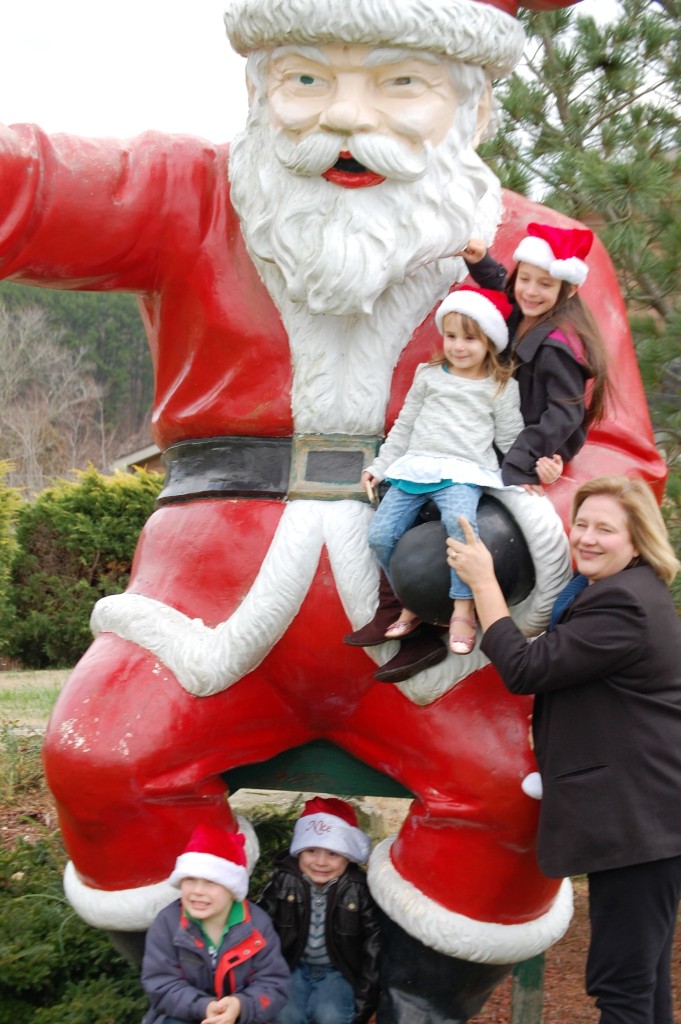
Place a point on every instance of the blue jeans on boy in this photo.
(399, 510)
(319, 995)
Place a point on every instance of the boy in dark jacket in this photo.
(212, 957)
(326, 918)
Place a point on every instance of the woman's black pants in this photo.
(633, 912)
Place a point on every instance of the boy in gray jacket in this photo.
(212, 957)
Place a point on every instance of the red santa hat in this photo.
(560, 251)
(332, 824)
(490, 309)
(481, 32)
(216, 855)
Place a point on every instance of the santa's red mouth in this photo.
(349, 173)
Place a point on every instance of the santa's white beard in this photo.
(340, 249)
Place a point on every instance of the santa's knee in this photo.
(118, 758)
(502, 911)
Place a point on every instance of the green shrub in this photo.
(75, 544)
(54, 967)
(9, 506)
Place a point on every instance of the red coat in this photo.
(130, 754)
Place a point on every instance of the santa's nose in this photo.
(348, 113)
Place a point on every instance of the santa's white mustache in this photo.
(378, 153)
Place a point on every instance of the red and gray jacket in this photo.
(179, 978)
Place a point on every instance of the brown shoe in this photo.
(417, 652)
(373, 633)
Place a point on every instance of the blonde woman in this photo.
(607, 733)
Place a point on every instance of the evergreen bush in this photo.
(74, 544)
(54, 967)
(9, 506)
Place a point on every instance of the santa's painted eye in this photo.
(303, 80)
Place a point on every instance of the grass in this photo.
(27, 698)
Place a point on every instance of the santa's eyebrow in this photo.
(375, 58)
(312, 53)
(394, 55)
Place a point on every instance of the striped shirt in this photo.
(316, 953)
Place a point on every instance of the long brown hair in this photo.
(498, 371)
(570, 313)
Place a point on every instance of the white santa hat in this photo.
(490, 310)
(216, 855)
(483, 32)
(559, 251)
(330, 823)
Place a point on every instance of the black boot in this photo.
(421, 649)
(373, 633)
(422, 986)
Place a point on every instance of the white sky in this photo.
(96, 68)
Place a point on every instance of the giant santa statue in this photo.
(287, 290)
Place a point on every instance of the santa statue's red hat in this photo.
(484, 32)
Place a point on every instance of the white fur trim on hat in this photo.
(475, 33)
(215, 869)
(330, 833)
(478, 308)
(456, 935)
(539, 253)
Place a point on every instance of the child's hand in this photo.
(474, 251)
(370, 485)
(223, 1011)
(549, 469)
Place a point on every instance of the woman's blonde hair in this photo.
(499, 372)
(646, 525)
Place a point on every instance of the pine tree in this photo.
(591, 124)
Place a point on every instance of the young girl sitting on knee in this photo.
(461, 406)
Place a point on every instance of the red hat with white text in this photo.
(216, 855)
(490, 310)
(559, 251)
(330, 823)
(483, 32)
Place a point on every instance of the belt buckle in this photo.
(328, 467)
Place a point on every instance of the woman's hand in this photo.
(474, 251)
(473, 562)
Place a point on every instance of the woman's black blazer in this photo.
(606, 723)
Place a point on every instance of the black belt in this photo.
(322, 466)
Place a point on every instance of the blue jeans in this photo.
(319, 995)
(398, 512)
